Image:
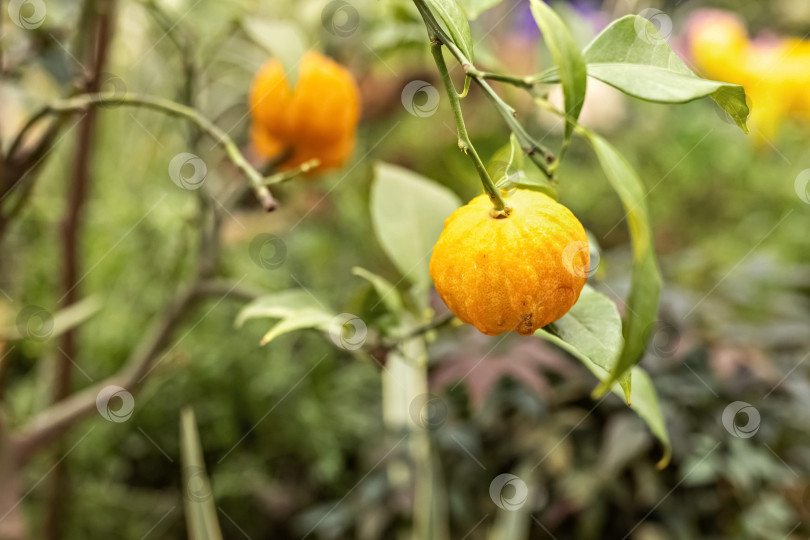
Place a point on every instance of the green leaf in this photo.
(644, 401)
(408, 213)
(296, 308)
(201, 512)
(632, 56)
(642, 302)
(279, 305)
(309, 318)
(567, 59)
(282, 39)
(509, 169)
(591, 331)
(455, 22)
(473, 8)
(387, 292)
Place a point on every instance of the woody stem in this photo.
(83, 101)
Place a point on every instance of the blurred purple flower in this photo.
(588, 11)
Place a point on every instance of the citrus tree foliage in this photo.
(408, 210)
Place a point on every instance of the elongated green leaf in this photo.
(645, 402)
(509, 169)
(308, 318)
(455, 22)
(296, 308)
(388, 294)
(408, 213)
(642, 302)
(632, 56)
(278, 305)
(473, 8)
(652, 83)
(282, 39)
(567, 59)
(591, 331)
(201, 512)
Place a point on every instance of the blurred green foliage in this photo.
(292, 432)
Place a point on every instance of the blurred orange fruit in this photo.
(774, 70)
(514, 273)
(316, 119)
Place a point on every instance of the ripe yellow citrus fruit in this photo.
(514, 273)
(317, 118)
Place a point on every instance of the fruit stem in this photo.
(464, 141)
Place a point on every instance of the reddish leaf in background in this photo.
(480, 368)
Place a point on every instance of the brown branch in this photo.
(20, 172)
(51, 424)
(98, 42)
(12, 526)
(77, 196)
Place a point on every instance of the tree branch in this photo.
(87, 101)
(100, 20)
(52, 423)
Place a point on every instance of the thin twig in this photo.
(85, 101)
(464, 141)
(539, 154)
